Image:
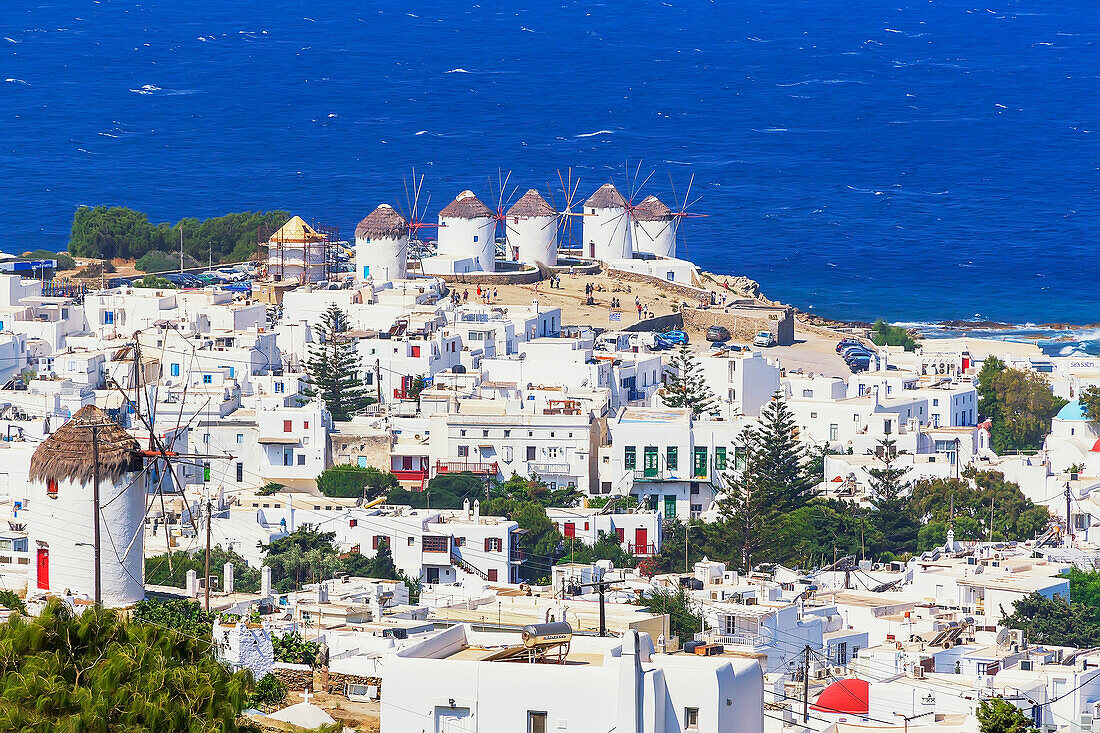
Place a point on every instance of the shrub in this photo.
(347, 481)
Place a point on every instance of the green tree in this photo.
(895, 524)
(162, 570)
(269, 694)
(818, 533)
(1020, 405)
(332, 368)
(101, 672)
(883, 334)
(997, 716)
(683, 621)
(1055, 621)
(540, 543)
(269, 489)
(11, 601)
(186, 617)
(536, 490)
(769, 477)
(444, 491)
(347, 481)
(153, 282)
(606, 547)
(686, 385)
(1090, 402)
(293, 649)
(974, 502)
(304, 555)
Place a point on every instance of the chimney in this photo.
(265, 582)
(477, 510)
(322, 592)
(227, 574)
(192, 584)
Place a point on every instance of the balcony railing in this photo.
(418, 477)
(554, 469)
(642, 550)
(711, 636)
(466, 467)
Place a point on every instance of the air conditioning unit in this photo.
(1026, 665)
(918, 672)
(820, 674)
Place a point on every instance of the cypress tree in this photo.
(893, 516)
(685, 385)
(332, 369)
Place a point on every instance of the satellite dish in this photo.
(522, 355)
(167, 382)
(1004, 636)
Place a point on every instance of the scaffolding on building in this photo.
(299, 251)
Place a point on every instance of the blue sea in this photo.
(904, 159)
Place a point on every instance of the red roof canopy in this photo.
(847, 696)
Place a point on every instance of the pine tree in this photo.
(893, 514)
(770, 477)
(332, 369)
(686, 386)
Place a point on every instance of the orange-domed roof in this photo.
(847, 696)
(1095, 447)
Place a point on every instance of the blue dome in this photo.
(1073, 411)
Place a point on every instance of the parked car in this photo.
(676, 337)
(230, 274)
(660, 343)
(763, 339)
(856, 351)
(117, 282)
(718, 346)
(718, 333)
(846, 342)
(859, 364)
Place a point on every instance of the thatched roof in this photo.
(67, 454)
(532, 204)
(466, 206)
(382, 223)
(606, 197)
(296, 231)
(651, 209)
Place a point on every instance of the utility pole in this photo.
(378, 378)
(181, 248)
(806, 685)
(95, 511)
(1069, 524)
(209, 513)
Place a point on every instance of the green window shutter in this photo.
(672, 458)
(720, 458)
(630, 458)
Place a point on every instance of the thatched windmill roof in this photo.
(531, 204)
(466, 206)
(606, 197)
(382, 223)
(67, 454)
(652, 209)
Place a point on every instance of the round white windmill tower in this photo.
(467, 229)
(60, 514)
(382, 245)
(531, 230)
(654, 228)
(607, 225)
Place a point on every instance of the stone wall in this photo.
(337, 680)
(296, 677)
(744, 323)
(688, 293)
(659, 324)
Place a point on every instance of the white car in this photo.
(763, 339)
(230, 274)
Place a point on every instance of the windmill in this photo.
(569, 186)
(414, 215)
(502, 195)
(682, 212)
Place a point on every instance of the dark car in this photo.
(718, 333)
(859, 364)
(846, 342)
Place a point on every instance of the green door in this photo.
(670, 506)
(700, 463)
(650, 461)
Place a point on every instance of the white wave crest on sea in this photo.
(459, 70)
(596, 133)
(14, 81)
(146, 89)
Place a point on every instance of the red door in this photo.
(570, 529)
(43, 568)
(641, 541)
